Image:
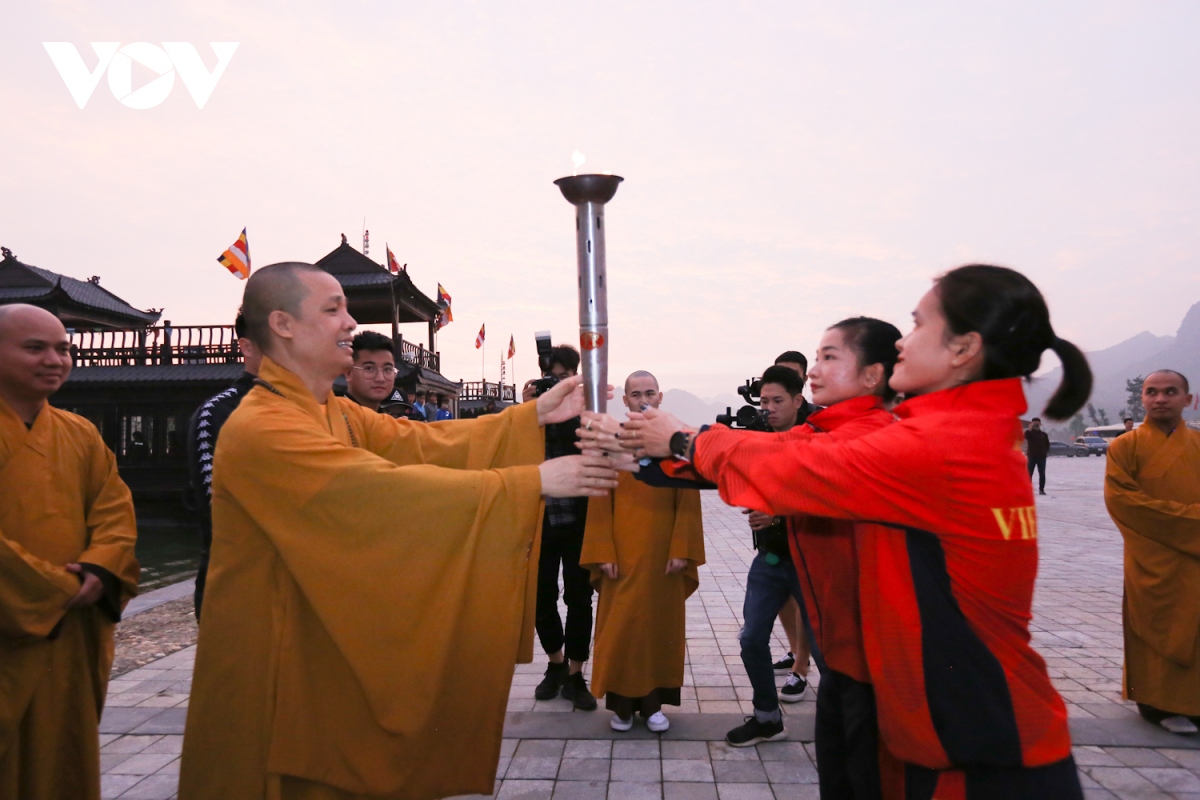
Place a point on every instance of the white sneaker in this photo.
(1180, 725)
(618, 724)
(658, 722)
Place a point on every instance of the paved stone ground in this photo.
(1077, 627)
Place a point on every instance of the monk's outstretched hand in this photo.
(675, 565)
(565, 401)
(649, 433)
(578, 476)
(599, 431)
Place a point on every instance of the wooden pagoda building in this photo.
(140, 381)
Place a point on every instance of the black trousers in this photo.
(202, 573)
(1040, 465)
(847, 739)
(1057, 781)
(562, 546)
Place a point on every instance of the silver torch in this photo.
(589, 193)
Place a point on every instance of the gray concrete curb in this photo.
(166, 594)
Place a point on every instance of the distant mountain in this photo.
(1138, 355)
(694, 411)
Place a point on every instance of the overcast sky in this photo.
(786, 164)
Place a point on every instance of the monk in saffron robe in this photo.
(67, 569)
(643, 546)
(348, 574)
(1152, 489)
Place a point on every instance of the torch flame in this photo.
(578, 158)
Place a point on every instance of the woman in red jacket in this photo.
(854, 363)
(947, 576)
(850, 375)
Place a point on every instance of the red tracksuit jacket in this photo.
(947, 575)
(824, 550)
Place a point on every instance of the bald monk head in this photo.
(296, 314)
(1165, 395)
(35, 358)
(641, 389)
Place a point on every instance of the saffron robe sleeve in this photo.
(639, 528)
(63, 503)
(345, 592)
(1152, 490)
(510, 438)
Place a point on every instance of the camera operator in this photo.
(562, 541)
(771, 585)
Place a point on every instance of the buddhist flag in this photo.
(237, 258)
(393, 264)
(479, 339)
(445, 317)
(512, 346)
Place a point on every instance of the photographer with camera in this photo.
(771, 582)
(796, 661)
(567, 646)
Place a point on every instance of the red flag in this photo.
(237, 258)
(479, 338)
(512, 346)
(446, 316)
(392, 263)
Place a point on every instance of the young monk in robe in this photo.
(643, 546)
(67, 569)
(1152, 489)
(353, 556)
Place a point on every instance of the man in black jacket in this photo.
(567, 646)
(771, 581)
(1037, 447)
(203, 428)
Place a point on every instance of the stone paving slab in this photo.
(684, 727)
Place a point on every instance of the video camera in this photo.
(544, 351)
(748, 417)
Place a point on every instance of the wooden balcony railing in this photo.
(486, 390)
(190, 344)
(165, 344)
(415, 354)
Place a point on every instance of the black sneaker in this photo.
(556, 676)
(575, 689)
(794, 689)
(754, 732)
(785, 664)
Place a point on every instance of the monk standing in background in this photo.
(348, 573)
(67, 569)
(643, 546)
(1152, 489)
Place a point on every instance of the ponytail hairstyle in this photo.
(1010, 315)
(874, 342)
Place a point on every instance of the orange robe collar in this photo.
(282, 382)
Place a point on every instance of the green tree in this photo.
(1077, 425)
(1133, 403)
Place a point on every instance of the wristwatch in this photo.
(680, 444)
